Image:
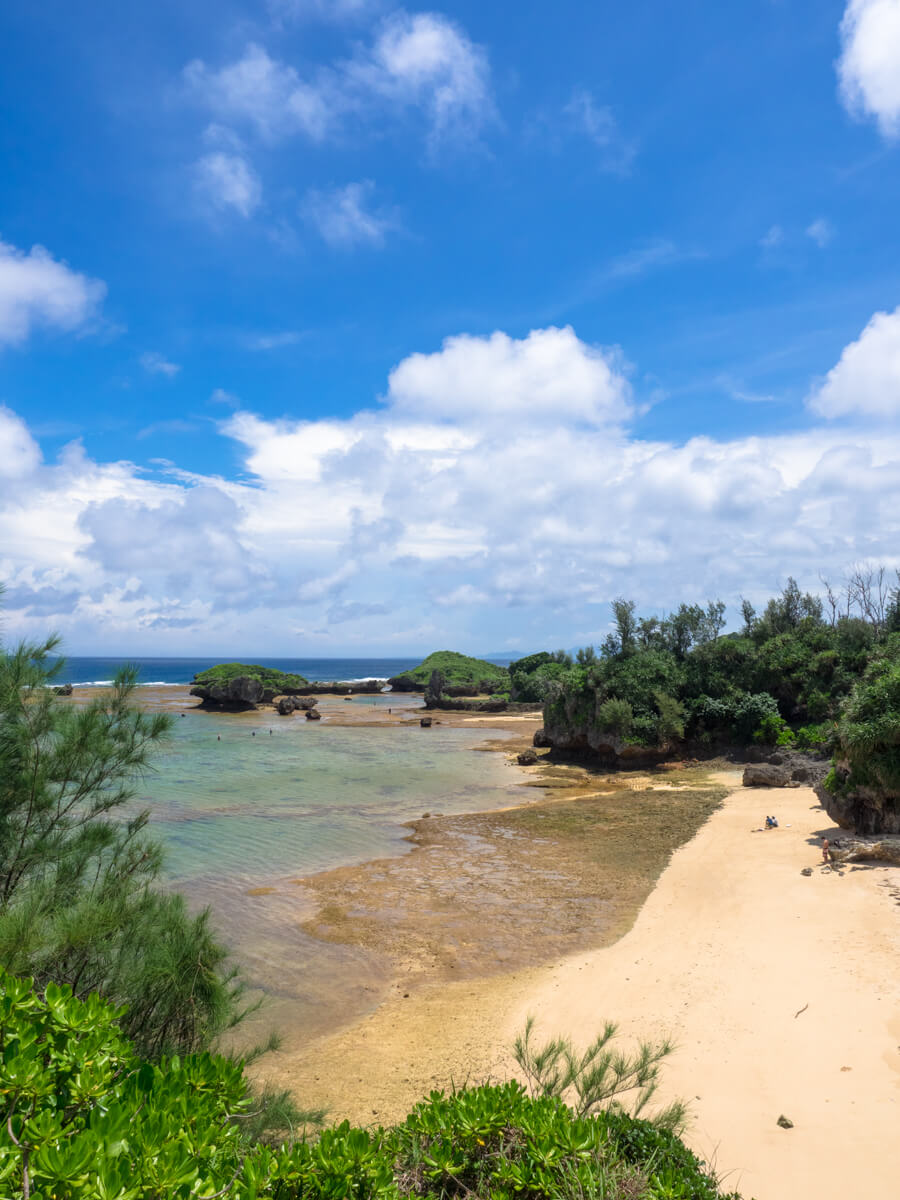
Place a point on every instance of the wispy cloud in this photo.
(821, 232)
(583, 117)
(343, 216)
(772, 238)
(641, 260)
(273, 341)
(227, 181)
(220, 396)
(416, 62)
(597, 123)
(173, 426)
(156, 364)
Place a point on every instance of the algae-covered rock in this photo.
(237, 687)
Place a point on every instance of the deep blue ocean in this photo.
(85, 670)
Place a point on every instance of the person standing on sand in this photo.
(826, 856)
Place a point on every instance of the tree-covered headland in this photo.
(462, 675)
(808, 672)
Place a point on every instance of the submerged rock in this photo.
(313, 714)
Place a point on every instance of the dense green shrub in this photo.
(868, 734)
(86, 1119)
(616, 716)
(788, 669)
(816, 737)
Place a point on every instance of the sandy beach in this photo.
(733, 943)
(730, 946)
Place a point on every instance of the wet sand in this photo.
(463, 921)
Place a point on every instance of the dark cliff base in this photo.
(805, 766)
(361, 687)
(445, 703)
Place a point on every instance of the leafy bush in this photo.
(88, 1120)
(868, 734)
(773, 731)
(670, 722)
(616, 716)
(815, 737)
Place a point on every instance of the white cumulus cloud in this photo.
(39, 291)
(548, 376)
(866, 380)
(20, 454)
(869, 65)
(495, 496)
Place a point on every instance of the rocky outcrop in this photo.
(240, 694)
(851, 850)
(64, 689)
(541, 739)
(405, 683)
(352, 687)
(571, 729)
(286, 705)
(313, 714)
(766, 775)
(425, 722)
(864, 810)
(526, 758)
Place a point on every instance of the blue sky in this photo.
(368, 328)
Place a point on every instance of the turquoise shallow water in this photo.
(308, 795)
(242, 812)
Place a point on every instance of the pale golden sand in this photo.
(732, 943)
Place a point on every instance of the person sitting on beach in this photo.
(771, 823)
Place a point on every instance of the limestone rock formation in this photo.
(239, 694)
(864, 810)
(526, 758)
(313, 714)
(851, 850)
(285, 705)
(766, 775)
